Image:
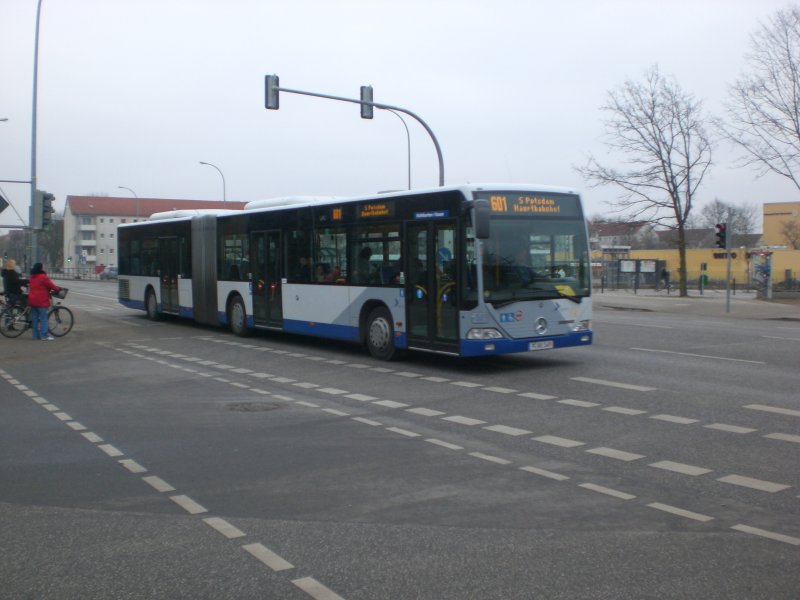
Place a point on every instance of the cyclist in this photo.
(39, 288)
(12, 283)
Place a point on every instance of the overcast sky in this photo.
(135, 93)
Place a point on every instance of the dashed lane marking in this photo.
(158, 484)
(784, 437)
(223, 527)
(490, 458)
(425, 412)
(268, 557)
(505, 429)
(390, 404)
(463, 420)
(361, 397)
(774, 409)
(681, 468)
(615, 454)
(730, 428)
(755, 484)
(624, 411)
(779, 537)
(674, 419)
(111, 450)
(92, 437)
(687, 514)
(443, 444)
(404, 432)
(132, 466)
(333, 411)
(367, 421)
(189, 505)
(76, 426)
(315, 589)
(558, 441)
(535, 396)
(580, 403)
(544, 473)
(754, 362)
(500, 390)
(616, 384)
(607, 491)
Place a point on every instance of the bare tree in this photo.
(764, 105)
(661, 132)
(740, 218)
(790, 230)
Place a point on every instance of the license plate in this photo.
(545, 345)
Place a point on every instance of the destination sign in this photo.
(371, 210)
(533, 204)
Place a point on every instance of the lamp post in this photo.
(408, 139)
(122, 187)
(224, 197)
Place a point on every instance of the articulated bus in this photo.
(462, 271)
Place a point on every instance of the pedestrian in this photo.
(12, 283)
(39, 288)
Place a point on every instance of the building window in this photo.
(111, 220)
(102, 235)
(86, 220)
(102, 220)
(124, 221)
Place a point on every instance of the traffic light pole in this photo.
(381, 106)
(727, 269)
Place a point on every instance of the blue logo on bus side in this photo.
(511, 317)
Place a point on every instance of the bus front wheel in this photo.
(380, 334)
(237, 317)
(151, 305)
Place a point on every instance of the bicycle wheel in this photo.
(13, 321)
(59, 321)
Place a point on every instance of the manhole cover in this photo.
(250, 406)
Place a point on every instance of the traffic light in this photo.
(47, 208)
(366, 96)
(35, 217)
(272, 83)
(722, 235)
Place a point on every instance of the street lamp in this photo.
(224, 197)
(122, 187)
(408, 138)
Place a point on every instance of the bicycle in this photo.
(16, 319)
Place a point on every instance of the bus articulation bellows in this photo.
(473, 270)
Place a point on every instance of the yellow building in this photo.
(776, 216)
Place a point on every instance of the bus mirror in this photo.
(480, 219)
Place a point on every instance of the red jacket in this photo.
(39, 288)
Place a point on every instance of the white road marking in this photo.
(681, 468)
(92, 437)
(774, 409)
(674, 419)
(615, 454)
(62, 416)
(268, 557)
(240, 385)
(331, 391)
(404, 432)
(367, 421)
(262, 375)
(308, 404)
(39, 400)
(490, 458)
(390, 404)
(447, 445)
(425, 412)
(558, 441)
(76, 426)
(730, 428)
(436, 379)
(616, 384)
(784, 437)
(624, 411)
(111, 450)
(779, 537)
(338, 413)
(189, 505)
(284, 380)
(132, 466)
(408, 374)
(607, 491)
(535, 396)
(27, 392)
(315, 589)
(158, 484)
(580, 403)
(50, 407)
(463, 420)
(505, 429)
(681, 512)
(382, 370)
(466, 384)
(501, 390)
(260, 391)
(223, 527)
(755, 484)
(306, 385)
(361, 397)
(544, 473)
(755, 362)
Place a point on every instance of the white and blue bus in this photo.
(463, 271)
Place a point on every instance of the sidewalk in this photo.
(743, 305)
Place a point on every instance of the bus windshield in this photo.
(535, 259)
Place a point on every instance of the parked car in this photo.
(109, 273)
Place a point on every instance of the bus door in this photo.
(267, 265)
(169, 267)
(431, 285)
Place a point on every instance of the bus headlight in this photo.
(582, 326)
(486, 333)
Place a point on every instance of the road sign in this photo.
(3, 203)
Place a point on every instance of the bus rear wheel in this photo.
(380, 334)
(237, 317)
